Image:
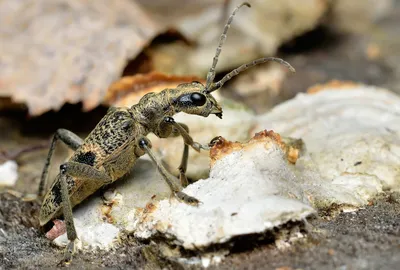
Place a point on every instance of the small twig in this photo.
(15, 154)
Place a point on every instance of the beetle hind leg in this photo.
(72, 140)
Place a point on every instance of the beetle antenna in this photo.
(211, 72)
(244, 67)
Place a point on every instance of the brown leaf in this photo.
(60, 51)
(128, 90)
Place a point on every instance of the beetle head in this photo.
(193, 99)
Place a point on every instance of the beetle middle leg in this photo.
(183, 166)
(82, 172)
(145, 145)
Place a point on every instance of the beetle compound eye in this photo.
(198, 99)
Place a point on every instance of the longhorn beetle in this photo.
(119, 139)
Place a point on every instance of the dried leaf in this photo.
(128, 90)
(67, 50)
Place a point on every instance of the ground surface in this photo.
(366, 239)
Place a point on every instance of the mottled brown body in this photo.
(112, 145)
(108, 148)
(119, 139)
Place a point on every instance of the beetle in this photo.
(119, 139)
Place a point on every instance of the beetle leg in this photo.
(185, 135)
(69, 220)
(83, 172)
(183, 166)
(185, 155)
(144, 144)
(72, 140)
(165, 129)
(183, 130)
(86, 172)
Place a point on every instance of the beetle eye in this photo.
(198, 99)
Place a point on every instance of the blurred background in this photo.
(63, 62)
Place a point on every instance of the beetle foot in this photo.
(183, 197)
(69, 251)
(197, 146)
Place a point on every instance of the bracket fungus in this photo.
(345, 154)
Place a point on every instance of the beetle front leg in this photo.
(185, 135)
(183, 130)
(145, 145)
